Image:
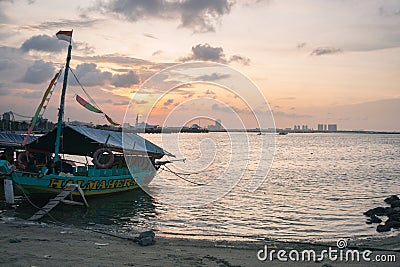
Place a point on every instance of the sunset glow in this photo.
(314, 61)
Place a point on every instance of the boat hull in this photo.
(100, 183)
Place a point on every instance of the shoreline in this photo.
(38, 244)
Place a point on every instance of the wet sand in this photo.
(36, 244)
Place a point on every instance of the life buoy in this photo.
(99, 152)
(24, 157)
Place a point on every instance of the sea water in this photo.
(317, 188)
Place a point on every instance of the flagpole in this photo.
(61, 109)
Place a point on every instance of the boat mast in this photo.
(61, 109)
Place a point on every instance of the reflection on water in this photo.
(317, 189)
(127, 209)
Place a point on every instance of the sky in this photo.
(314, 61)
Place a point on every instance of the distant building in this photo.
(80, 123)
(7, 116)
(320, 127)
(332, 127)
(218, 124)
(145, 125)
(216, 127)
(195, 126)
(142, 125)
(325, 128)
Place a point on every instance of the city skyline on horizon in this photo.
(215, 125)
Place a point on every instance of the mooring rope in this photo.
(179, 176)
(37, 207)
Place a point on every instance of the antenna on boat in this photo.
(66, 36)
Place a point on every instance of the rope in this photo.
(90, 98)
(37, 207)
(179, 176)
(186, 174)
(22, 116)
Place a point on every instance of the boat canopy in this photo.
(11, 140)
(85, 141)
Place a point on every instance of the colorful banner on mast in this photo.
(92, 108)
(41, 106)
(87, 105)
(64, 35)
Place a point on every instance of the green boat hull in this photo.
(96, 182)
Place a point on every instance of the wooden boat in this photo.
(111, 170)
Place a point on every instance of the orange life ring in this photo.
(99, 152)
(23, 157)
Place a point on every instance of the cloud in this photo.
(320, 51)
(197, 15)
(89, 75)
(158, 52)
(114, 58)
(39, 72)
(301, 45)
(6, 64)
(3, 90)
(287, 98)
(290, 115)
(43, 43)
(189, 95)
(168, 102)
(151, 36)
(122, 103)
(240, 59)
(389, 11)
(144, 67)
(209, 92)
(3, 15)
(13, 65)
(212, 77)
(105, 101)
(229, 109)
(200, 15)
(30, 94)
(125, 80)
(247, 3)
(83, 47)
(205, 52)
(64, 24)
(140, 102)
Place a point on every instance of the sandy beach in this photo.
(37, 244)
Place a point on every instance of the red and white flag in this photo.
(64, 35)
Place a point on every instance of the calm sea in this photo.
(317, 188)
